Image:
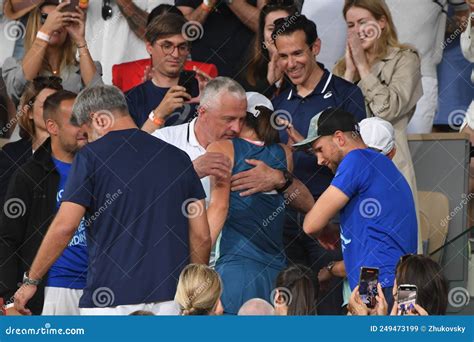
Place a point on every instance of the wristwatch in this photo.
(330, 266)
(28, 281)
(289, 180)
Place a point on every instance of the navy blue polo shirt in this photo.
(331, 91)
(145, 97)
(133, 187)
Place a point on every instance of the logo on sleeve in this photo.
(328, 95)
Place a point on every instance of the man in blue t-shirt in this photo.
(160, 101)
(146, 216)
(377, 211)
(39, 186)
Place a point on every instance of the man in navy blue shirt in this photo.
(146, 216)
(377, 211)
(160, 101)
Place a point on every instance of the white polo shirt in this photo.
(184, 138)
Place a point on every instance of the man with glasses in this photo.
(153, 102)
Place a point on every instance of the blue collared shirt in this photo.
(331, 91)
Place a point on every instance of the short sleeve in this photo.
(79, 186)
(187, 3)
(348, 175)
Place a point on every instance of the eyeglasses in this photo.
(43, 17)
(168, 48)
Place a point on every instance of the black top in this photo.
(31, 197)
(225, 39)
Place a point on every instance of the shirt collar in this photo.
(320, 88)
(192, 135)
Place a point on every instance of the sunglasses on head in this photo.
(45, 81)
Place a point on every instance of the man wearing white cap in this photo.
(378, 134)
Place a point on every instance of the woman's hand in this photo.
(56, 19)
(381, 307)
(358, 54)
(356, 307)
(274, 73)
(76, 28)
(351, 69)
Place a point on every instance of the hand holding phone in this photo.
(187, 79)
(71, 7)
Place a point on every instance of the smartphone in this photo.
(71, 7)
(187, 79)
(406, 299)
(369, 278)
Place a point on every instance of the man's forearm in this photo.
(54, 243)
(299, 197)
(247, 14)
(135, 16)
(198, 14)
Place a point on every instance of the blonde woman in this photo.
(387, 72)
(199, 291)
(55, 45)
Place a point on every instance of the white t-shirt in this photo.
(112, 41)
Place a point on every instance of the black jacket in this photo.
(30, 206)
(12, 156)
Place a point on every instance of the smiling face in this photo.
(169, 54)
(362, 23)
(296, 58)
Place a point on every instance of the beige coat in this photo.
(391, 92)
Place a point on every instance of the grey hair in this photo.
(256, 307)
(218, 85)
(95, 99)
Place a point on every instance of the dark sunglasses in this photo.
(46, 81)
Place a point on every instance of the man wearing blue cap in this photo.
(377, 211)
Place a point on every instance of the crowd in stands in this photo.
(212, 157)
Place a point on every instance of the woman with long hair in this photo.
(263, 74)
(32, 128)
(296, 292)
(387, 72)
(199, 291)
(53, 38)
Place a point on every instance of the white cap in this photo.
(255, 100)
(378, 133)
